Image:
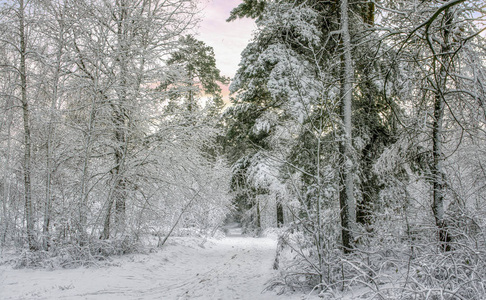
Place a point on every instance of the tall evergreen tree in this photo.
(199, 74)
(290, 68)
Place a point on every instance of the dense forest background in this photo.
(356, 128)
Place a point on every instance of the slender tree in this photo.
(27, 161)
(346, 194)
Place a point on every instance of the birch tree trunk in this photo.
(7, 170)
(29, 217)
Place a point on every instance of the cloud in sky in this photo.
(227, 39)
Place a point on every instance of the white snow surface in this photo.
(234, 267)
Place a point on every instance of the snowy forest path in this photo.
(234, 267)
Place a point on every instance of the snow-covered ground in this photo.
(234, 267)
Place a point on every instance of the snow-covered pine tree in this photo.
(269, 107)
(293, 76)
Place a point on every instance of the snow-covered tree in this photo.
(109, 158)
(196, 63)
(18, 41)
(120, 57)
(331, 76)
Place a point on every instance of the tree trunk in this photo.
(29, 217)
(438, 175)
(280, 214)
(119, 189)
(117, 195)
(84, 193)
(369, 185)
(258, 215)
(106, 225)
(50, 138)
(346, 194)
(120, 123)
(6, 176)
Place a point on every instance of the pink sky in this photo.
(227, 39)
